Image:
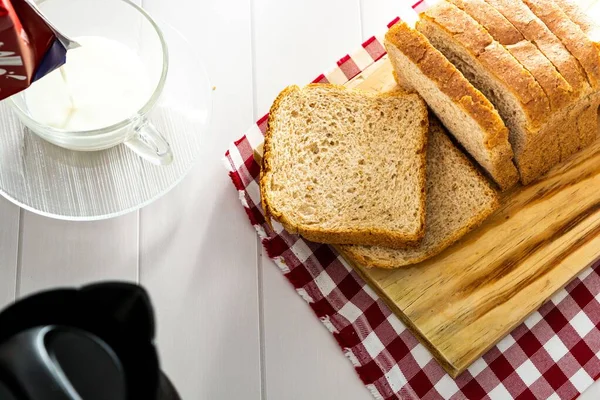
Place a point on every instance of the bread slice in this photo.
(464, 110)
(571, 35)
(520, 100)
(459, 198)
(557, 89)
(534, 30)
(344, 166)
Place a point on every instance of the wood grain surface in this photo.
(463, 301)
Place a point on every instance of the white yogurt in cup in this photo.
(101, 97)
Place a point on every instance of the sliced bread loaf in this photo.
(343, 166)
(459, 198)
(557, 89)
(471, 44)
(511, 88)
(571, 35)
(465, 111)
(534, 30)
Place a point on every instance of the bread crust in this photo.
(495, 23)
(577, 15)
(373, 236)
(494, 57)
(571, 35)
(559, 91)
(534, 30)
(436, 67)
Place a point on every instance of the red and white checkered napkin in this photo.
(553, 355)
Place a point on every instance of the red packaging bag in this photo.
(30, 47)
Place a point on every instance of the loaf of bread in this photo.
(559, 91)
(539, 104)
(515, 82)
(571, 35)
(344, 166)
(535, 31)
(459, 198)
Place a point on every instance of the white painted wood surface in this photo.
(305, 42)
(229, 325)
(9, 246)
(198, 251)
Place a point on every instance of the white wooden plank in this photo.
(376, 14)
(198, 251)
(303, 360)
(295, 42)
(199, 264)
(9, 244)
(58, 253)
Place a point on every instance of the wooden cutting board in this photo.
(464, 301)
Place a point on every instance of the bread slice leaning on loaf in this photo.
(343, 166)
(464, 110)
(459, 198)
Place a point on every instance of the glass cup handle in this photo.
(150, 144)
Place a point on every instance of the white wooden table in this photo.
(229, 325)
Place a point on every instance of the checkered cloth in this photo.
(553, 355)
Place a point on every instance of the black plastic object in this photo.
(95, 343)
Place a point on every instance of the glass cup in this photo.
(127, 23)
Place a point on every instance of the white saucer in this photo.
(84, 186)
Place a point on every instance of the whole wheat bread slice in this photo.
(459, 198)
(464, 110)
(345, 166)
